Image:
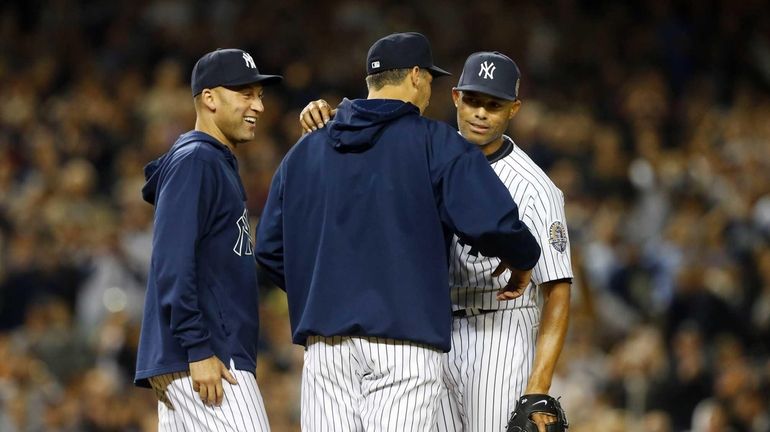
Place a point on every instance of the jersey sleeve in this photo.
(478, 208)
(183, 204)
(269, 248)
(545, 217)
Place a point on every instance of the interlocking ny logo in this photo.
(249, 61)
(243, 243)
(488, 69)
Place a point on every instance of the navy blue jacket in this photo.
(202, 291)
(357, 224)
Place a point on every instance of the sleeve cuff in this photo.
(199, 352)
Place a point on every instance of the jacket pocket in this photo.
(222, 317)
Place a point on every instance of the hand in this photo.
(518, 282)
(543, 419)
(315, 115)
(207, 377)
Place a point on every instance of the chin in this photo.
(248, 137)
(474, 138)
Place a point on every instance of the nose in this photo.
(481, 113)
(257, 105)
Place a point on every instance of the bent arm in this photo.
(478, 207)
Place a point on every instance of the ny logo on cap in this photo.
(488, 69)
(249, 61)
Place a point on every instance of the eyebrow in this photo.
(479, 95)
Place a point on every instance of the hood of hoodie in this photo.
(153, 169)
(358, 123)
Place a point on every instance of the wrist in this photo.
(537, 387)
(200, 351)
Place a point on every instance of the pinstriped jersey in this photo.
(541, 208)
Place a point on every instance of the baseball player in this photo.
(494, 359)
(197, 348)
(500, 350)
(356, 229)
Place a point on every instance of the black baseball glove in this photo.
(536, 403)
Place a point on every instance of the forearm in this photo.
(176, 279)
(554, 322)
(179, 300)
(489, 221)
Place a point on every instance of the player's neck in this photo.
(492, 146)
(209, 127)
(391, 92)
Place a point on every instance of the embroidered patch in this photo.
(557, 236)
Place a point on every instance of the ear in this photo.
(456, 95)
(208, 99)
(514, 109)
(414, 75)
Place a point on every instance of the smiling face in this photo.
(236, 113)
(482, 119)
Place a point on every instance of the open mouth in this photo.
(250, 120)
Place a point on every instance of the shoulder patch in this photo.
(557, 236)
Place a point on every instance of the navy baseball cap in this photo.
(492, 73)
(402, 51)
(228, 67)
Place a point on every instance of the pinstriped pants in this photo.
(352, 384)
(181, 410)
(487, 369)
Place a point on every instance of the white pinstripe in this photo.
(492, 353)
(181, 410)
(369, 384)
(487, 369)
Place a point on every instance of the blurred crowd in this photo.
(652, 116)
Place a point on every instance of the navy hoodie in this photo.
(357, 224)
(202, 290)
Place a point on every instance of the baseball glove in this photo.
(536, 403)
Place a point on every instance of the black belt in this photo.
(469, 312)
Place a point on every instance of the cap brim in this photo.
(269, 79)
(486, 90)
(265, 80)
(437, 71)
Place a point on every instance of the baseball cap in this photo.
(228, 67)
(401, 51)
(492, 73)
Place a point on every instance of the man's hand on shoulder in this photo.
(315, 115)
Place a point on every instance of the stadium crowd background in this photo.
(653, 117)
